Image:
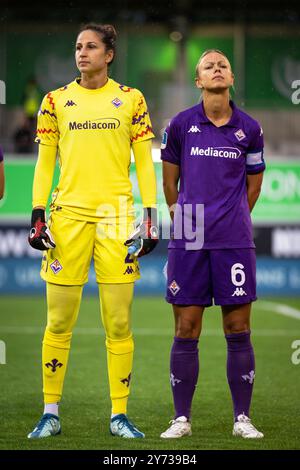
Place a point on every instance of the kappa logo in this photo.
(194, 129)
(70, 103)
(128, 270)
(240, 135)
(173, 380)
(239, 291)
(117, 102)
(54, 364)
(249, 377)
(56, 266)
(126, 381)
(174, 287)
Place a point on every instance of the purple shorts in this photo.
(196, 277)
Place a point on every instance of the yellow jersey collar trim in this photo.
(91, 91)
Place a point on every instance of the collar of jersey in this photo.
(233, 122)
(93, 91)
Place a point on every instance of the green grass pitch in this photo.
(85, 408)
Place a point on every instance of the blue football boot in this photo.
(121, 426)
(48, 425)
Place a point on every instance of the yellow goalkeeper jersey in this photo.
(93, 130)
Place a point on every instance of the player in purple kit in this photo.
(215, 151)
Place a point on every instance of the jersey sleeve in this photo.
(170, 145)
(1, 155)
(47, 132)
(141, 128)
(255, 153)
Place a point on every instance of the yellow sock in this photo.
(55, 355)
(116, 300)
(119, 362)
(63, 307)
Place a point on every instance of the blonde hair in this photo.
(208, 51)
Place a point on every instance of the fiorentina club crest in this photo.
(173, 380)
(126, 381)
(240, 135)
(174, 287)
(249, 377)
(117, 103)
(56, 266)
(53, 365)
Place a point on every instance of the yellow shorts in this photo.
(77, 242)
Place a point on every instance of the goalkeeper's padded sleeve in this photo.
(145, 172)
(43, 175)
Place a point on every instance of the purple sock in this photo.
(184, 367)
(240, 371)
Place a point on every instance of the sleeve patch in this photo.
(164, 141)
(254, 158)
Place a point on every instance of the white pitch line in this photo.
(281, 309)
(34, 330)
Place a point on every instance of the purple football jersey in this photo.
(214, 162)
(1, 155)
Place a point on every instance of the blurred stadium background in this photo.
(159, 45)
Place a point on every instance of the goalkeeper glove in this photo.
(40, 236)
(145, 237)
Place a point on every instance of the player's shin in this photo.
(119, 362)
(240, 371)
(63, 307)
(184, 370)
(55, 357)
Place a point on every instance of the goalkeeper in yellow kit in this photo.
(92, 124)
